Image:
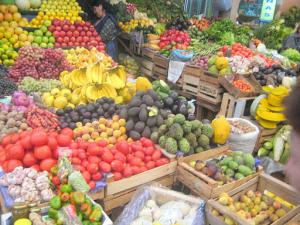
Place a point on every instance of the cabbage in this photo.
(35, 4)
(23, 4)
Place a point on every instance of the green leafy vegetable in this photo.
(292, 54)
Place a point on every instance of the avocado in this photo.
(159, 120)
(147, 132)
(153, 94)
(123, 113)
(151, 121)
(129, 125)
(139, 126)
(147, 99)
(143, 115)
(134, 111)
(134, 135)
(135, 102)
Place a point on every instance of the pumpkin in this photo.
(23, 4)
(221, 129)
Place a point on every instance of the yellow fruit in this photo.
(221, 129)
(86, 137)
(71, 105)
(280, 212)
(117, 133)
(115, 125)
(60, 102)
(23, 222)
(49, 100)
(143, 84)
(55, 91)
(46, 94)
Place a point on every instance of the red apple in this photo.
(58, 28)
(85, 39)
(72, 28)
(89, 33)
(66, 39)
(57, 45)
(69, 34)
(85, 28)
(51, 28)
(79, 29)
(66, 27)
(76, 43)
(77, 23)
(88, 24)
(82, 34)
(95, 34)
(62, 33)
(76, 33)
(59, 39)
(56, 22)
(79, 39)
(64, 45)
(70, 43)
(56, 33)
(73, 39)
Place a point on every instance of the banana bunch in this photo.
(96, 81)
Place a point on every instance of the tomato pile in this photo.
(174, 39)
(123, 159)
(242, 85)
(36, 148)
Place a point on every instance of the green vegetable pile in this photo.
(225, 32)
(120, 12)
(178, 134)
(291, 17)
(201, 48)
(292, 54)
(273, 34)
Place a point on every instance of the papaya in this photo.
(246, 171)
(270, 116)
(221, 129)
(265, 123)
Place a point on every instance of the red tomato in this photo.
(148, 158)
(139, 154)
(55, 153)
(127, 172)
(36, 167)
(79, 168)
(107, 156)
(117, 176)
(136, 147)
(102, 143)
(105, 167)
(29, 159)
(53, 134)
(113, 150)
(92, 184)
(93, 159)
(14, 138)
(55, 180)
(76, 161)
(94, 149)
(135, 161)
(24, 134)
(52, 143)
(156, 155)
(87, 176)
(63, 140)
(149, 150)
(117, 166)
(42, 152)
(143, 169)
(47, 164)
(12, 164)
(150, 165)
(6, 140)
(85, 163)
(122, 146)
(120, 156)
(129, 157)
(82, 155)
(161, 162)
(67, 131)
(97, 176)
(25, 142)
(135, 169)
(16, 152)
(39, 138)
(93, 168)
(75, 152)
(73, 145)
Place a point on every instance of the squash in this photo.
(275, 100)
(256, 103)
(265, 123)
(23, 4)
(270, 116)
(221, 129)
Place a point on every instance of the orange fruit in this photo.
(3, 9)
(13, 8)
(17, 17)
(8, 17)
(1, 17)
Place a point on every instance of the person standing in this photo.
(293, 41)
(221, 8)
(106, 26)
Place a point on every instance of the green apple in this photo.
(45, 39)
(51, 39)
(44, 29)
(47, 23)
(38, 33)
(35, 45)
(43, 45)
(37, 40)
(48, 34)
(50, 45)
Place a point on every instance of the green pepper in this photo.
(95, 223)
(52, 213)
(80, 216)
(55, 202)
(85, 222)
(66, 188)
(95, 215)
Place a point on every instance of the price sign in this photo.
(268, 10)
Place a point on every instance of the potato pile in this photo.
(240, 127)
(12, 122)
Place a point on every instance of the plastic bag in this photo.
(77, 181)
(158, 204)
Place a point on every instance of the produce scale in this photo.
(186, 127)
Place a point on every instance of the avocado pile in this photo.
(235, 166)
(179, 134)
(103, 107)
(144, 114)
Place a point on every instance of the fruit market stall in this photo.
(196, 106)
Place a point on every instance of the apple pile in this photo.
(80, 33)
(174, 39)
(124, 159)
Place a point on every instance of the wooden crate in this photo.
(226, 82)
(120, 199)
(295, 220)
(260, 183)
(235, 107)
(200, 183)
(146, 67)
(210, 78)
(191, 79)
(161, 65)
(148, 53)
(206, 110)
(264, 134)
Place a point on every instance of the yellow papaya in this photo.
(143, 84)
(265, 123)
(275, 100)
(270, 116)
(221, 129)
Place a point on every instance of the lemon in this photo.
(54, 91)
(23, 222)
(49, 100)
(60, 102)
(75, 99)
(66, 93)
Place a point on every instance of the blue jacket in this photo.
(221, 6)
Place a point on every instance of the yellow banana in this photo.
(91, 93)
(116, 82)
(122, 73)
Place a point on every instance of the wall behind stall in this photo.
(286, 4)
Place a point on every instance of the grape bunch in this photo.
(39, 63)
(7, 87)
(30, 85)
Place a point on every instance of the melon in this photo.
(23, 4)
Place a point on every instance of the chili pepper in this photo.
(65, 197)
(96, 215)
